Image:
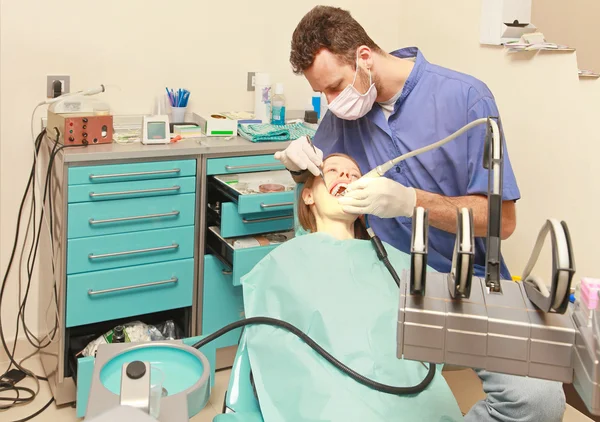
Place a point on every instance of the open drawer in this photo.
(256, 193)
(241, 254)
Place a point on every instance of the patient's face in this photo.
(339, 172)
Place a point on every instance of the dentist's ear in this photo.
(365, 54)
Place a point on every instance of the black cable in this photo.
(382, 255)
(328, 357)
(34, 249)
(12, 255)
(4, 386)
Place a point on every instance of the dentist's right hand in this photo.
(299, 155)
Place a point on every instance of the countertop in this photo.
(199, 146)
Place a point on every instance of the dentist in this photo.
(384, 105)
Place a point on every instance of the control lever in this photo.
(418, 255)
(563, 267)
(463, 259)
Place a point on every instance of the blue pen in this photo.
(168, 94)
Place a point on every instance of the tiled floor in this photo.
(465, 385)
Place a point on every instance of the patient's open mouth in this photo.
(338, 189)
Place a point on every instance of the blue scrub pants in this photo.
(518, 399)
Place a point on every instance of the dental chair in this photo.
(241, 402)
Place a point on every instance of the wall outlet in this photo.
(65, 81)
(250, 82)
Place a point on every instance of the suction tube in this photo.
(383, 388)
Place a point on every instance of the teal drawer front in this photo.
(85, 373)
(242, 164)
(120, 250)
(233, 224)
(137, 189)
(245, 259)
(222, 302)
(265, 202)
(129, 215)
(131, 171)
(125, 292)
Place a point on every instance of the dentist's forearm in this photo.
(442, 212)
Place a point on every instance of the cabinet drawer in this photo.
(129, 215)
(239, 254)
(137, 189)
(121, 250)
(130, 291)
(223, 302)
(250, 163)
(131, 171)
(244, 190)
(232, 224)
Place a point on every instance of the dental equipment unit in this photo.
(524, 329)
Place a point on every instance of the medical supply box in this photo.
(216, 124)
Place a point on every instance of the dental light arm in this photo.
(525, 329)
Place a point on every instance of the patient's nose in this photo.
(345, 174)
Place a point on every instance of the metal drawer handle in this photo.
(129, 192)
(137, 286)
(252, 166)
(226, 272)
(262, 220)
(110, 255)
(280, 204)
(139, 173)
(138, 217)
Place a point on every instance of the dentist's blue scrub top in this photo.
(434, 103)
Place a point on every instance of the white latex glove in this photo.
(379, 196)
(299, 155)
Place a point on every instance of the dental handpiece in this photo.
(384, 168)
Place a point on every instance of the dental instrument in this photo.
(308, 138)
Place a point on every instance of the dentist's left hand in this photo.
(379, 196)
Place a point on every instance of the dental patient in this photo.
(330, 284)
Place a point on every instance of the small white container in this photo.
(262, 97)
(178, 114)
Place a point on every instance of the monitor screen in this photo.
(157, 130)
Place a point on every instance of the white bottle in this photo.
(262, 97)
(278, 106)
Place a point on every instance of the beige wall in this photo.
(574, 23)
(550, 119)
(548, 113)
(136, 48)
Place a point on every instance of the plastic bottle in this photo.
(278, 106)
(316, 102)
(262, 97)
(118, 334)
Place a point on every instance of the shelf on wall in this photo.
(588, 74)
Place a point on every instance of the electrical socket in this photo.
(250, 82)
(65, 81)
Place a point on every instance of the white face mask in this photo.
(351, 104)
